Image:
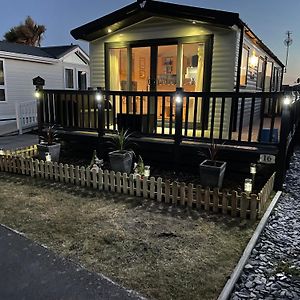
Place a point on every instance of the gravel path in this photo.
(273, 269)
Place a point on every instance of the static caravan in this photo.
(62, 67)
(157, 47)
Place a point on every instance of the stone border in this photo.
(229, 286)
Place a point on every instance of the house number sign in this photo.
(267, 159)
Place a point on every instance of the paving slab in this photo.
(30, 271)
(18, 141)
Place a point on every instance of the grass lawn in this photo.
(160, 251)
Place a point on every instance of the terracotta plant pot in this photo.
(212, 173)
(121, 161)
(54, 151)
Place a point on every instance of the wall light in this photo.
(287, 100)
(178, 99)
(37, 94)
(253, 60)
(98, 97)
(109, 30)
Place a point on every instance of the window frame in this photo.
(65, 78)
(271, 76)
(247, 66)
(206, 39)
(77, 77)
(4, 86)
(263, 64)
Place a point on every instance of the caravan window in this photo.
(2, 82)
(244, 66)
(69, 78)
(260, 73)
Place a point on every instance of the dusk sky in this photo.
(269, 19)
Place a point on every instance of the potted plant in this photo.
(211, 170)
(49, 143)
(121, 158)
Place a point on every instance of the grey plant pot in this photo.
(212, 173)
(54, 151)
(121, 161)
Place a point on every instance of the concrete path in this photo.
(29, 271)
(273, 269)
(18, 141)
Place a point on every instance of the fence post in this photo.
(281, 160)
(39, 83)
(178, 124)
(100, 99)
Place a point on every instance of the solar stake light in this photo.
(252, 168)
(248, 185)
(48, 157)
(147, 171)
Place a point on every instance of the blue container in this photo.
(265, 135)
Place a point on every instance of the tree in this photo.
(28, 33)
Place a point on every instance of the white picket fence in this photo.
(26, 115)
(172, 193)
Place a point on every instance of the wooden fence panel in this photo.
(125, 184)
(174, 196)
(167, 191)
(182, 193)
(234, 204)
(112, 181)
(159, 189)
(243, 205)
(131, 185)
(145, 187)
(152, 188)
(118, 183)
(138, 185)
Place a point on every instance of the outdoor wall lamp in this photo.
(287, 100)
(37, 94)
(253, 60)
(178, 99)
(98, 97)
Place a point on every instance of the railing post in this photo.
(39, 83)
(100, 99)
(178, 124)
(281, 160)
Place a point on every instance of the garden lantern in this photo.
(48, 157)
(248, 185)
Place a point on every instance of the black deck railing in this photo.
(237, 118)
(225, 116)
